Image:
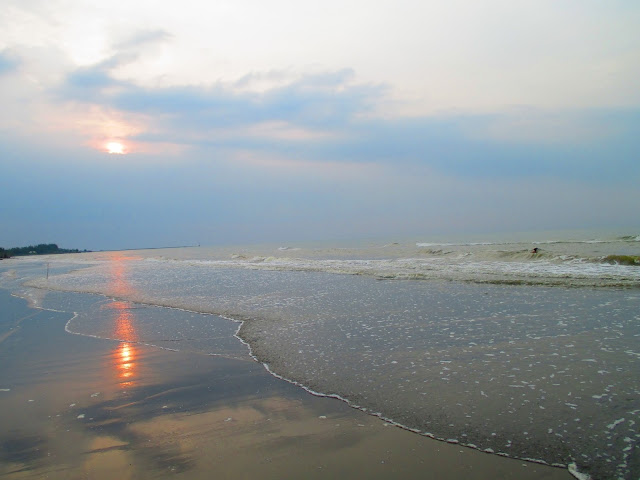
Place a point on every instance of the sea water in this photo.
(476, 341)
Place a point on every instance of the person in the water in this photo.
(535, 250)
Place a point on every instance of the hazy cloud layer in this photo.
(398, 131)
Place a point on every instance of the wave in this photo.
(470, 244)
(622, 259)
(500, 267)
(566, 241)
(630, 238)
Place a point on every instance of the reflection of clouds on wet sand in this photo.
(232, 418)
(108, 457)
(280, 437)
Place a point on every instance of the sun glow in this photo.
(115, 147)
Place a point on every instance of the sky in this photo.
(154, 123)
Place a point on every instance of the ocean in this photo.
(476, 340)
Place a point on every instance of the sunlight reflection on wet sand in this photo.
(125, 356)
(66, 416)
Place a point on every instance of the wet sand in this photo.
(80, 407)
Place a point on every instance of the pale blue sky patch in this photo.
(8, 62)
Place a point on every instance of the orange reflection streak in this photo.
(123, 321)
(124, 359)
(119, 285)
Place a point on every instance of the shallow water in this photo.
(78, 407)
(545, 370)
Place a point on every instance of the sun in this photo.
(115, 147)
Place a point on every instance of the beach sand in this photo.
(80, 407)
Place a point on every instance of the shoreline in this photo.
(571, 467)
(250, 416)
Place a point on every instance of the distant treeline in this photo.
(42, 249)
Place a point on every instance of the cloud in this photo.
(322, 100)
(296, 107)
(90, 79)
(8, 62)
(329, 117)
(143, 38)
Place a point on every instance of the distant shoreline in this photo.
(32, 251)
(142, 248)
(40, 249)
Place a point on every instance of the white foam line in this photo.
(36, 307)
(112, 298)
(573, 470)
(75, 315)
(379, 415)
